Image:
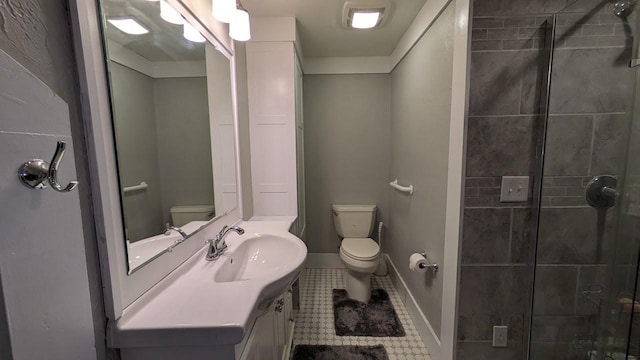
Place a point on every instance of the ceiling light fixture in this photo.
(169, 14)
(129, 26)
(365, 14)
(240, 27)
(223, 10)
(365, 19)
(192, 34)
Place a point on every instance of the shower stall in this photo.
(554, 95)
(585, 214)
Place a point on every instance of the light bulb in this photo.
(169, 14)
(239, 28)
(365, 19)
(223, 10)
(192, 34)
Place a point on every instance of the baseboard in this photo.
(324, 261)
(423, 326)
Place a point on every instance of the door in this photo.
(587, 230)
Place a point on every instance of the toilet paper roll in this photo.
(418, 263)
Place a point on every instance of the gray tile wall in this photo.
(586, 136)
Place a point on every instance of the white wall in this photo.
(137, 145)
(162, 130)
(184, 142)
(346, 149)
(420, 112)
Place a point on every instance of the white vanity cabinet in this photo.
(272, 333)
(270, 338)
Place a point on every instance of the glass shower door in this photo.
(585, 257)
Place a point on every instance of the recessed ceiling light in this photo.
(192, 34)
(365, 19)
(129, 26)
(365, 14)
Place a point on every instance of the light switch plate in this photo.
(500, 335)
(514, 189)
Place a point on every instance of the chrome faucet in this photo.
(168, 229)
(218, 246)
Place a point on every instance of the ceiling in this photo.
(319, 24)
(164, 42)
(321, 30)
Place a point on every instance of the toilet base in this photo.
(358, 286)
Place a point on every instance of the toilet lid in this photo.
(360, 248)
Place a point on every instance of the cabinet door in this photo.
(279, 326)
(288, 315)
(263, 345)
(251, 352)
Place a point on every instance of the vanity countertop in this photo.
(188, 308)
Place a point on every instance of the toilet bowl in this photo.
(359, 253)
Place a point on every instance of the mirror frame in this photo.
(120, 287)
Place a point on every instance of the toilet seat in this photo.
(362, 249)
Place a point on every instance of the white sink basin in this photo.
(275, 261)
(205, 303)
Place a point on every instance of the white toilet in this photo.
(182, 215)
(359, 253)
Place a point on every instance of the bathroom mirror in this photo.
(172, 113)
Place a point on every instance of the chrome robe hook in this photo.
(34, 172)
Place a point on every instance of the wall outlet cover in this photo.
(500, 334)
(514, 189)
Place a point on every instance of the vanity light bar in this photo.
(169, 14)
(240, 27)
(190, 33)
(223, 10)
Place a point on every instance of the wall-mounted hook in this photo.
(53, 170)
(34, 172)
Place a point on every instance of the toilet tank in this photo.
(354, 221)
(181, 215)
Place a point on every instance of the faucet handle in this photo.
(167, 229)
(222, 232)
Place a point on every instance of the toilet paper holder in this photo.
(429, 265)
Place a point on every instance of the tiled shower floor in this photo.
(315, 326)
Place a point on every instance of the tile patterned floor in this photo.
(315, 325)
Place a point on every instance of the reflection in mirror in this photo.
(171, 100)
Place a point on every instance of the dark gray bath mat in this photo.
(355, 318)
(327, 352)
